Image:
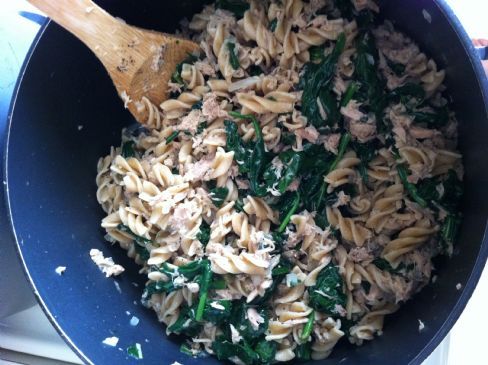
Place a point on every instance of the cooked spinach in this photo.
(349, 93)
(303, 352)
(172, 137)
(406, 92)
(225, 350)
(366, 152)
(343, 144)
(291, 172)
(411, 188)
(142, 252)
(240, 321)
(217, 311)
(257, 157)
(233, 58)
(266, 351)
(128, 149)
(197, 106)
(316, 81)
(176, 77)
(397, 68)
(327, 295)
(254, 70)
(204, 234)
(186, 323)
(384, 265)
(293, 209)
(238, 7)
(449, 231)
(438, 118)
(272, 24)
(316, 53)
(142, 241)
(218, 195)
(242, 150)
(307, 329)
(204, 282)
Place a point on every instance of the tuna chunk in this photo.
(211, 108)
(309, 133)
(191, 121)
(362, 131)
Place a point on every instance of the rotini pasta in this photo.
(294, 188)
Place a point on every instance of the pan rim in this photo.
(435, 339)
(12, 231)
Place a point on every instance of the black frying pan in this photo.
(66, 115)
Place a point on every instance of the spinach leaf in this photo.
(411, 188)
(142, 252)
(371, 90)
(449, 232)
(204, 282)
(186, 324)
(258, 157)
(327, 294)
(198, 106)
(288, 139)
(225, 350)
(128, 149)
(279, 240)
(293, 209)
(218, 283)
(218, 196)
(303, 352)
(172, 137)
(349, 93)
(290, 172)
(238, 7)
(284, 267)
(135, 351)
(397, 68)
(384, 265)
(176, 77)
(436, 119)
(278, 274)
(343, 144)
(272, 24)
(316, 53)
(204, 234)
(141, 241)
(328, 101)
(307, 329)
(453, 192)
(233, 59)
(366, 152)
(407, 91)
(201, 127)
(217, 311)
(317, 77)
(240, 321)
(266, 351)
(254, 70)
(242, 150)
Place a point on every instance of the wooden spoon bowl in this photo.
(140, 62)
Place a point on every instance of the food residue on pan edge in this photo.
(105, 264)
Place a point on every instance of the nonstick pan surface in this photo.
(65, 115)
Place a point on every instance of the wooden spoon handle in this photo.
(100, 31)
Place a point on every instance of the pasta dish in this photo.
(295, 186)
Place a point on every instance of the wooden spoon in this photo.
(140, 62)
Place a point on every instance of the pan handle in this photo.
(482, 53)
